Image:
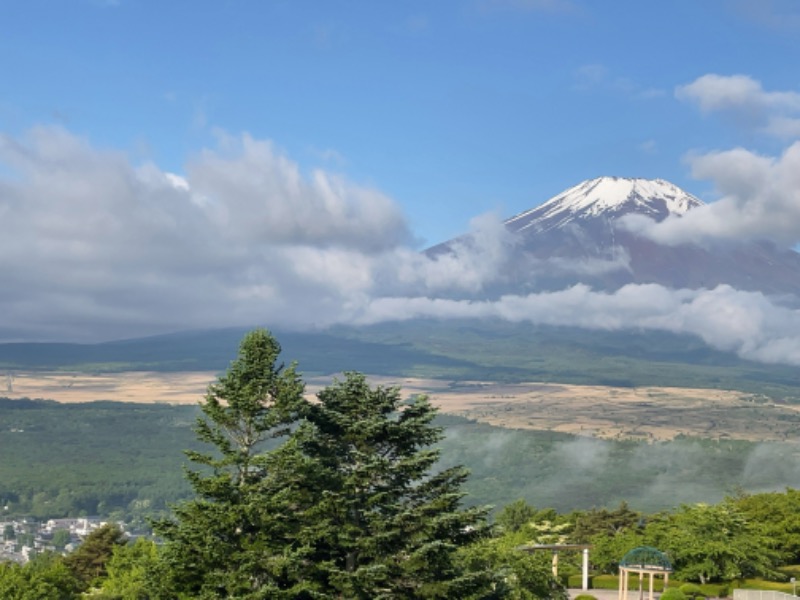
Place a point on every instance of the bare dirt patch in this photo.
(599, 411)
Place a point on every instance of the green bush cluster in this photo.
(673, 594)
(692, 591)
(706, 590)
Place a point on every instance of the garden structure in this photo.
(643, 560)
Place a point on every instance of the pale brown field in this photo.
(599, 411)
(132, 386)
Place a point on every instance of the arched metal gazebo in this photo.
(643, 560)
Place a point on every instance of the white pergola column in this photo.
(641, 585)
(623, 583)
(585, 571)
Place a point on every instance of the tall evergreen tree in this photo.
(230, 541)
(349, 505)
(385, 525)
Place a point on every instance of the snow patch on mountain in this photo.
(607, 197)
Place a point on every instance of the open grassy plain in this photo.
(608, 412)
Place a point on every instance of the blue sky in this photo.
(450, 108)
(181, 164)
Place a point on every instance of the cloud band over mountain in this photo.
(95, 247)
(759, 200)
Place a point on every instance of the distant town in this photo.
(23, 539)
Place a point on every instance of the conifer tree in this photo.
(385, 524)
(349, 505)
(230, 541)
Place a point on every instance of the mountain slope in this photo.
(577, 237)
(457, 350)
(606, 198)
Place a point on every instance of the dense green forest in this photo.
(125, 460)
(101, 458)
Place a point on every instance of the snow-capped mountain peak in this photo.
(607, 197)
(576, 237)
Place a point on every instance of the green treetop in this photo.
(385, 524)
(349, 505)
(224, 542)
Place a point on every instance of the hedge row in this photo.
(709, 590)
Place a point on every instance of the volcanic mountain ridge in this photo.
(578, 237)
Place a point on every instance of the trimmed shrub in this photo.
(710, 590)
(585, 597)
(611, 582)
(673, 594)
(692, 591)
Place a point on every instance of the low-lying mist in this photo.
(554, 470)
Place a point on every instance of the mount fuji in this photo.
(580, 236)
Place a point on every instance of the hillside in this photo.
(490, 350)
(593, 233)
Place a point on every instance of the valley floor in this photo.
(644, 413)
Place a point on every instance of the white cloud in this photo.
(783, 127)
(734, 92)
(473, 261)
(747, 323)
(94, 247)
(618, 260)
(261, 194)
(759, 200)
(747, 100)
